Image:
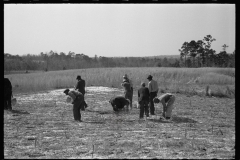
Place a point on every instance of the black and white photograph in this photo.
(119, 80)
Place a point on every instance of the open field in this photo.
(177, 80)
(41, 126)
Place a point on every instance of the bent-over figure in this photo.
(119, 102)
(167, 101)
(78, 102)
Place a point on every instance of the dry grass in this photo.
(42, 126)
(178, 80)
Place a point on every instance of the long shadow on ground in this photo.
(96, 122)
(109, 112)
(175, 120)
(19, 112)
(183, 120)
(100, 112)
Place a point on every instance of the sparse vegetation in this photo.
(201, 128)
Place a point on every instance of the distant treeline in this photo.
(192, 55)
(54, 61)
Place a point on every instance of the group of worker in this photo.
(147, 96)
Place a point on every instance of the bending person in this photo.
(119, 102)
(167, 101)
(78, 102)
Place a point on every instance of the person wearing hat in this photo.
(7, 94)
(143, 100)
(118, 102)
(167, 101)
(77, 101)
(153, 90)
(127, 91)
(80, 86)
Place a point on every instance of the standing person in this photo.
(167, 101)
(78, 102)
(119, 102)
(7, 94)
(127, 91)
(153, 90)
(81, 88)
(143, 100)
(125, 77)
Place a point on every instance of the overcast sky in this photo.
(115, 29)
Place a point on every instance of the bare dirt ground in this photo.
(42, 126)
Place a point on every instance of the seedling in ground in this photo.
(17, 129)
(36, 118)
(193, 140)
(186, 131)
(39, 139)
(62, 115)
(219, 131)
(65, 132)
(93, 150)
(116, 137)
(35, 144)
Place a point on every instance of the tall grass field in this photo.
(221, 81)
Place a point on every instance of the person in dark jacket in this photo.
(143, 100)
(127, 91)
(81, 88)
(7, 94)
(78, 100)
(119, 102)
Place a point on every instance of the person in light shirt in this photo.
(167, 101)
(153, 90)
(77, 101)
